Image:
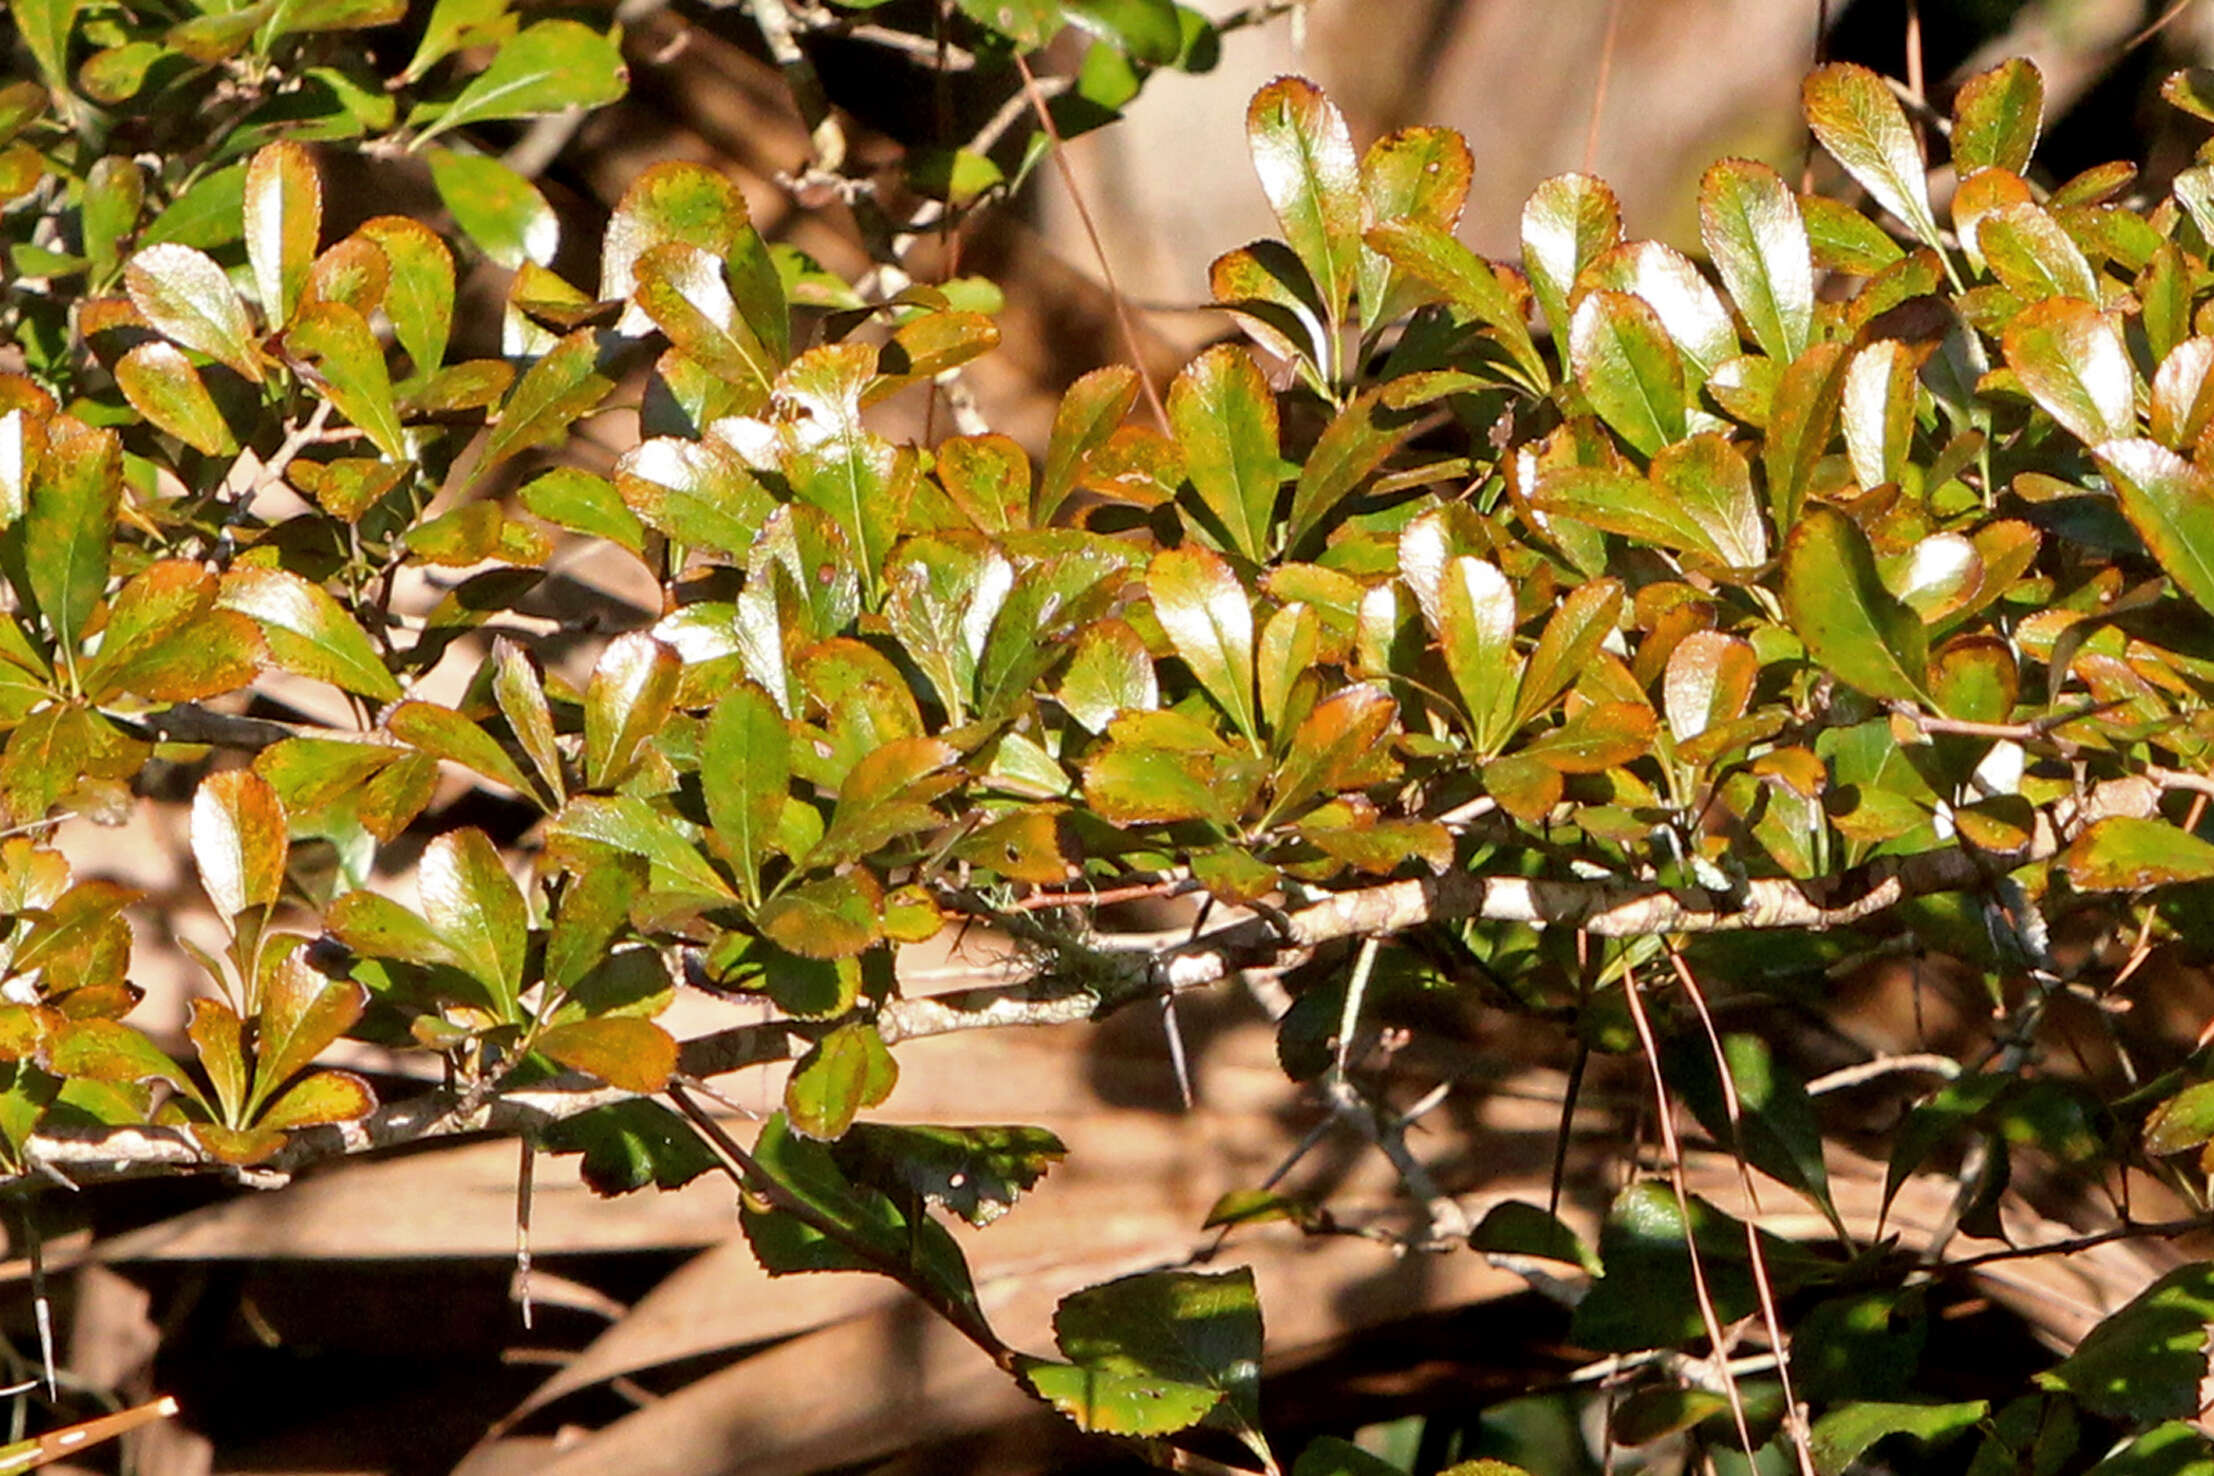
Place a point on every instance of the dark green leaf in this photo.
(2146, 1361)
(1225, 421)
(1840, 608)
(1841, 1436)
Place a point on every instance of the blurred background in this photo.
(361, 1321)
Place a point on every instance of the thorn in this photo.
(42, 1307)
(523, 1181)
(1176, 1048)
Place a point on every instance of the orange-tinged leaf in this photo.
(1861, 124)
(1304, 155)
(1996, 117)
(284, 221)
(307, 631)
(303, 1011)
(2071, 359)
(184, 294)
(2032, 256)
(1089, 413)
(837, 917)
(2126, 854)
(419, 292)
(1876, 409)
(626, 1052)
(162, 385)
(1343, 744)
(1709, 681)
(318, 1099)
(239, 841)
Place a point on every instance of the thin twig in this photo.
(1120, 303)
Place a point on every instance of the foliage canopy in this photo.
(1854, 591)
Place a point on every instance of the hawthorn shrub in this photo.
(1848, 595)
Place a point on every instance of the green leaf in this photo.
(633, 826)
(1416, 174)
(1841, 1436)
(1567, 223)
(283, 224)
(1351, 447)
(303, 1011)
(698, 493)
(1475, 628)
(1802, 417)
(239, 841)
(455, 24)
(1209, 620)
(69, 526)
(2177, 1448)
(2170, 502)
(1427, 253)
(1088, 414)
(631, 1054)
(184, 294)
(354, 376)
(474, 908)
(219, 1037)
(1146, 30)
(575, 499)
(1030, 24)
(745, 775)
(543, 68)
(445, 734)
(206, 216)
(1996, 117)
(1858, 120)
(975, 1172)
(2032, 256)
(628, 699)
(162, 385)
(857, 477)
(2146, 1361)
(1567, 646)
(550, 397)
(1191, 1327)
(1106, 1402)
(419, 297)
(1876, 409)
(1111, 673)
(1838, 605)
(1225, 422)
(1749, 219)
(1688, 308)
(682, 289)
(1629, 369)
(630, 1145)
(45, 26)
(1774, 1126)
(114, 192)
(1304, 156)
(496, 208)
(1649, 1297)
(1513, 1228)
(2183, 1122)
(307, 631)
(845, 1071)
(2125, 854)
